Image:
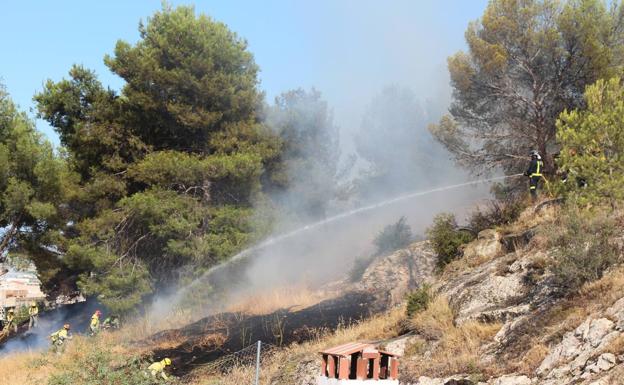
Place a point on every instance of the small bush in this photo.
(446, 239)
(497, 213)
(418, 300)
(584, 248)
(393, 237)
(359, 267)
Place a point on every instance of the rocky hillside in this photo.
(497, 316)
(509, 323)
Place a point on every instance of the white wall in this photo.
(321, 380)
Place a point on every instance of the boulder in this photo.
(573, 355)
(486, 246)
(423, 380)
(512, 380)
(597, 330)
(513, 242)
(617, 313)
(399, 345)
(605, 362)
(484, 295)
(391, 277)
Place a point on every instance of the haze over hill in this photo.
(444, 183)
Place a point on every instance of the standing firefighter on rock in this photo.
(534, 172)
(94, 326)
(33, 314)
(57, 339)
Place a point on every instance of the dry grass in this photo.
(35, 368)
(529, 219)
(616, 346)
(291, 297)
(436, 320)
(531, 359)
(286, 363)
(451, 349)
(17, 369)
(604, 292)
(266, 302)
(464, 263)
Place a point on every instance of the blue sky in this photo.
(347, 49)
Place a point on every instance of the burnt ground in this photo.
(222, 334)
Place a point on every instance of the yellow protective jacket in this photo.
(10, 317)
(60, 335)
(33, 310)
(158, 368)
(95, 322)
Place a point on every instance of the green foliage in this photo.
(584, 247)
(393, 237)
(169, 169)
(96, 366)
(593, 144)
(496, 213)
(527, 61)
(21, 315)
(446, 238)
(34, 183)
(186, 78)
(418, 300)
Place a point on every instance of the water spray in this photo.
(277, 239)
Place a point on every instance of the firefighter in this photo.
(11, 322)
(534, 172)
(111, 322)
(158, 368)
(33, 314)
(59, 337)
(94, 326)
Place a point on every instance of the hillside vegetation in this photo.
(187, 165)
(491, 314)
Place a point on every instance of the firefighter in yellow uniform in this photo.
(11, 322)
(33, 314)
(57, 339)
(94, 326)
(158, 368)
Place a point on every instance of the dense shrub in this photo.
(592, 145)
(418, 300)
(393, 237)
(496, 213)
(584, 248)
(446, 238)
